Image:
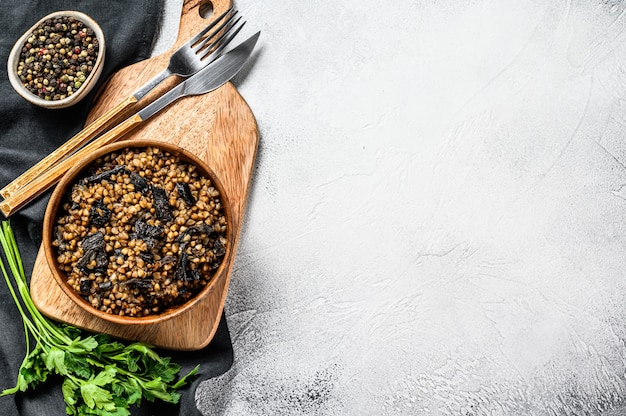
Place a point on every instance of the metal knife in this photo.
(213, 76)
(208, 79)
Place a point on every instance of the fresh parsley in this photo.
(100, 376)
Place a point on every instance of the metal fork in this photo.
(195, 54)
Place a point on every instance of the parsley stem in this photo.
(8, 255)
(44, 329)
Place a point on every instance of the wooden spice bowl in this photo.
(80, 171)
(86, 86)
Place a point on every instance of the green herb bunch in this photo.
(100, 376)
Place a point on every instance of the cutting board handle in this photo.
(191, 20)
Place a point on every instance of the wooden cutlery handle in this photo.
(51, 176)
(67, 148)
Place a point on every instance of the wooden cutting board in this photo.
(218, 127)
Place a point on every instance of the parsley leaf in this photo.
(55, 360)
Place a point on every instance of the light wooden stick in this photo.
(51, 176)
(67, 148)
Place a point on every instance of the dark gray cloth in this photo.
(27, 134)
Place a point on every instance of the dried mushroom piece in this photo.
(150, 234)
(218, 248)
(93, 241)
(184, 191)
(141, 284)
(95, 259)
(138, 181)
(167, 260)
(85, 286)
(184, 271)
(99, 214)
(200, 228)
(105, 174)
(161, 204)
(147, 257)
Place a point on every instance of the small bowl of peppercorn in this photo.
(138, 232)
(58, 61)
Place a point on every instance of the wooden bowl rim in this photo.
(90, 81)
(57, 198)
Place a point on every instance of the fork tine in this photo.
(191, 42)
(217, 42)
(223, 42)
(201, 44)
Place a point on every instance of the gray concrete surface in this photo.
(437, 220)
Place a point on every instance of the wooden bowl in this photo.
(79, 171)
(87, 85)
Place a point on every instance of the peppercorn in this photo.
(55, 51)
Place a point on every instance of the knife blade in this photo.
(208, 79)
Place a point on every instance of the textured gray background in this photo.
(437, 220)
